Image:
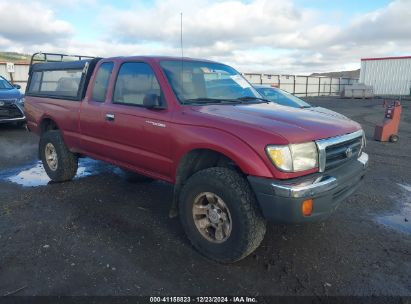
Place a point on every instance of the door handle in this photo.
(110, 117)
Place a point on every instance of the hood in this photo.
(293, 124)
(327, 112)
(10, 94)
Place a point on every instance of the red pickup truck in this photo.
(235, 159)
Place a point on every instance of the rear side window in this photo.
(135, 81)
(62, 83)
(102, 80)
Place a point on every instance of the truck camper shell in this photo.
(60, 76)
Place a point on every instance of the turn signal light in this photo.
(307, 207)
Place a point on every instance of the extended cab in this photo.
(235, 159)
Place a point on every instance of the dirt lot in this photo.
(100, 235)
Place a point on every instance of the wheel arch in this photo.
(47, 124)
(245, 162)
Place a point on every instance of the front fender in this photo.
(193, 137)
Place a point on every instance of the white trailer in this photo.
(387, 75)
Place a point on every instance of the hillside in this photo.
(346, 74)
(14, 57)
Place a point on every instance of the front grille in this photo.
(332, 151)
(8, 111)
(339, 153)
(6, 101)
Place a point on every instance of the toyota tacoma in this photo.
(235, 159)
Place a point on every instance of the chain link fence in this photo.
(303, 86)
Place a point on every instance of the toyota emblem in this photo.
(1, 103)
(348, 152)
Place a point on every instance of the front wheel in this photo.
(60, 164)
(220, 215)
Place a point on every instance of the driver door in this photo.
(138, 136)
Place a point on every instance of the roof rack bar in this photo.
(62, 56)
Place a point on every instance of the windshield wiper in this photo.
(208, 100)
(242, 100)
(247, 98)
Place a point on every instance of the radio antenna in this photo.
(182, 51)
(181, 35)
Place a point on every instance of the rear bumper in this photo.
(280, 201)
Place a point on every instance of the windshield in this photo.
(208, 82)
(282, 97)
(4, 84)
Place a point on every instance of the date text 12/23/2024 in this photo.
(234, 299)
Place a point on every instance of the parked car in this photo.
(287, 99)
(11, 103)
(235, 159)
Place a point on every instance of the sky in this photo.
(254, 36)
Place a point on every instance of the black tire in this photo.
(67, 162)
(394, 138)
(248, 225)
(133, 177)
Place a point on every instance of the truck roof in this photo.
(156, 58)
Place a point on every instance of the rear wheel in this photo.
(60, 164)
(220, 215)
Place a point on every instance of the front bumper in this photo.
(281, 201)
(11, 112)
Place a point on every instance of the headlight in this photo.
(20, 101)
(281, 157)
(363, 144)
(294, 157)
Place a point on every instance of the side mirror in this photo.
(17, 86)
(153, 101)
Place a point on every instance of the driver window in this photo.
(135, 84)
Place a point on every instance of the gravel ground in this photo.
(100, 235)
